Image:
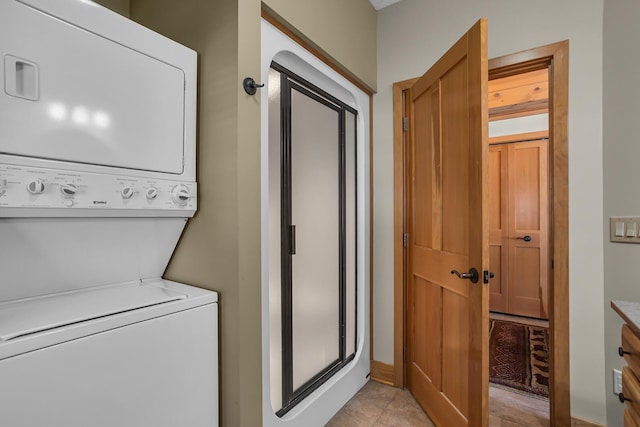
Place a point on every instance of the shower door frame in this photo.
(291, 81)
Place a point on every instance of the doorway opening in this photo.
(551, 60)
(519, 256)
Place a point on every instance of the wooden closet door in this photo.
(498, 228)
(528, 228)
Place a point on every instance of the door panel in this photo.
(447, 176)
(428, 357)
(525, 294)
(455, 352)
(498, 227)
(526, 187)
(423, 200)
(455, 177)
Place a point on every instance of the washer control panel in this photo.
(29, 187)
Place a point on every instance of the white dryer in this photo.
(97, 182)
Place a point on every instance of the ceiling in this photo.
(380, 4)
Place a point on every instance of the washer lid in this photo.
(26, 317)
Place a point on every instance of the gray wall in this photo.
(621, 171)
(412, 35)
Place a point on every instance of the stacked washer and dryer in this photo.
(97, 181)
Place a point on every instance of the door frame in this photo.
(554, 57)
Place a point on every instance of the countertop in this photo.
(630, 313)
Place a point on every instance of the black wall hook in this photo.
(250, 86)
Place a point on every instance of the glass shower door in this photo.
(315, 214)
(316, 141)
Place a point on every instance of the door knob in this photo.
(525, 238)
(472, 275)
(622, 352)
(623, 399)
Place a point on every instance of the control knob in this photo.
(68, 189)
(36, 186)
(127, 192)
(152, 193)
(180, 195)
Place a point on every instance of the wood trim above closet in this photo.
(529, 136)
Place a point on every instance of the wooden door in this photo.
(528, 228)
(519, 228)
(447, 316)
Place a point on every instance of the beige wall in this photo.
(412, 34)
(621, 172)
(120, 6)
(343, 30)
(220, 249)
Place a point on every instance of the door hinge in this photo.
(405, 124)
(405, 240)
(552, 263)
(404, 354)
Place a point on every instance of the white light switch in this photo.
(624, 229)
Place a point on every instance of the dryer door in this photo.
(73, 95)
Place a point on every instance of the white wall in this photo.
(412, 35)
(621, 171)
(517, 125)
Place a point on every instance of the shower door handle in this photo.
(292, 239)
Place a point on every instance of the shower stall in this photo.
(315, 217)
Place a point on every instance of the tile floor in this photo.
(380, 405)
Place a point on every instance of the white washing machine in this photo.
(135, 354)
(97, 182)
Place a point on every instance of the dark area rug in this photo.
(519, 357)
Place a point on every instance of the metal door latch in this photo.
(486, 275)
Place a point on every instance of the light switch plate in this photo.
(617, 381)
(624, 229)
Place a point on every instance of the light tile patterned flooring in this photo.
(380, 405)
